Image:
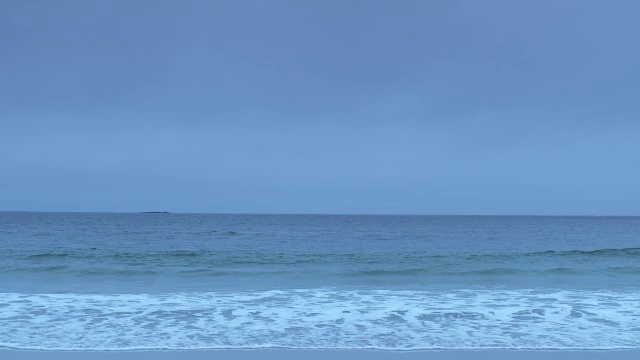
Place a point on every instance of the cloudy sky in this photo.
(331, 106)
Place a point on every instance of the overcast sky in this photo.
(386, 107)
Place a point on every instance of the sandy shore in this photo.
(318, 354)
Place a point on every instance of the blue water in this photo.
(193, 281)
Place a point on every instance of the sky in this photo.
(335, 107)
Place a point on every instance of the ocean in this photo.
(126, 281)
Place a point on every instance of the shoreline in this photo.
(285, 354)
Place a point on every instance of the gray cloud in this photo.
(320, 106)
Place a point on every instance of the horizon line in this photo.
(160, 212)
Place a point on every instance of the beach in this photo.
(319, 179)
(284, 354)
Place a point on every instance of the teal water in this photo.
(187, 281)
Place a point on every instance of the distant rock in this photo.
(155, 212)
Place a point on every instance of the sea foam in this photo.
(323, 318)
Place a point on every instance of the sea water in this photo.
(106, 281)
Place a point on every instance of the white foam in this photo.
(320, 318)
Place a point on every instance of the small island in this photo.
(155, 212)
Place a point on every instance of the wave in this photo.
(497, 271)
(555, 254)
(82, 272)
(302, 258)
(416, 273)
(494, 271)
(38, 269)
(597, 252)
(566, 271)
(323, 319)
(119, 272)
(623, 270)
(48, 255)
(432, 272)
(327, 268)
(204, 272)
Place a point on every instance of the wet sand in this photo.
(286, 354)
